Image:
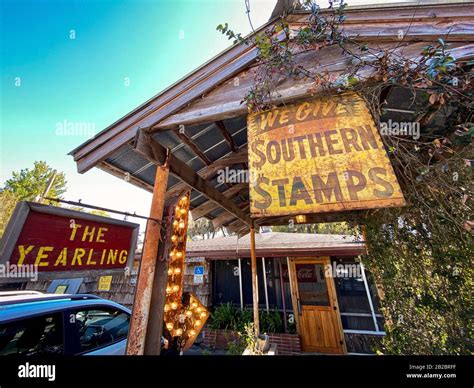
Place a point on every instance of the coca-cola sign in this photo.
(305, 273)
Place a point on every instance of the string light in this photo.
(177, 271)
(203, 314)
(174, 238)
(189, 313)
(179, 332)
(197, 323)
(168, 290)
(175, 288)
(167, 308)
(175, 223)
(174, 305)
(181, 225)
(169, 326)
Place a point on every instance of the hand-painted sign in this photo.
(317, 156)
(63, 242)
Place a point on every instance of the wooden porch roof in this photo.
(208, 104)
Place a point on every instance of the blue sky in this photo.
(91, 62)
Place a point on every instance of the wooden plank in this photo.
(209, 206)
(226, 217)
(200, 154)
(382, 13)
(156, 153)
(240, 156)
(107, 167)
(207, 109)
(228, 138)
(148, 264)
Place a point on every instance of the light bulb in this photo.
(179, 255)
(177, 208)
(182, 211)
(169, 326)
(203, 314)
(181, 318)
(199, 309)
(194, 305)
(181, 225)
(175, 288)
(172, 253)
(170, 272)
(168, 290)
(167, 307)
(174, 305)
(179, 332)
(175, 223)
(197, 323)
(174, 238)
(184, 198)
(193, 333)
(177, 271)
(189, 313)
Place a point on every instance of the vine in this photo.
(421, 254)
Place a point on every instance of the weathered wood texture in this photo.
(419, 23)
(156, 153)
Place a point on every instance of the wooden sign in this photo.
(322, 155)
(64, 243)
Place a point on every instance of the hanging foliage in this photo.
(420, 255)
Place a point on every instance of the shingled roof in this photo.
(275, 244)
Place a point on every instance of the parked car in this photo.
(32, 323)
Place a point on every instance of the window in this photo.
(99, 327)
(32, 336)
(358, 304)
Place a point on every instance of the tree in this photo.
(323, 228)
(7, 205)
(26, 185)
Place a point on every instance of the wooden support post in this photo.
(253, 256)
(143, 291)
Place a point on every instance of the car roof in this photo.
(17, 305)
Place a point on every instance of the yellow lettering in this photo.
(41, 255)
(23, 253)
(123, 257)
(284, 116)
(78, 255)
(88, 233)
(100, 234)
(73, 232)
(89, 258)
(303, 111)
(103, 256)
(62, 258)
(112, 256)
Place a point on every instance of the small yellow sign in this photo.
(316, 156)
(104, 283)
(60, 289)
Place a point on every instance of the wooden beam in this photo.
(156, 153)
(240, 156)
(209, 206)
(227, 136)
(226, 217)
(226, 100)
(148, 264)
(201, 155)
(119, 173)
(253, 257)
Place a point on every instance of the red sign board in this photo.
(62, 241)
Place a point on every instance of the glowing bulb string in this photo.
(184, 314)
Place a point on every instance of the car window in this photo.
(100, 327)
(32, 336)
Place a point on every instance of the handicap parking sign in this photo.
(198, 274)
